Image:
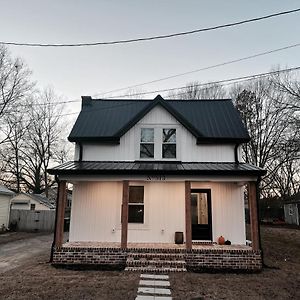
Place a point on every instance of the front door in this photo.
(201, 215)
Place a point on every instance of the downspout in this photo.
(55, 224)
(80, 151)
(258, 217)
(236, 155)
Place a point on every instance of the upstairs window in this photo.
(169, 143)
(147, 143)
(136, 204)
(32, 206)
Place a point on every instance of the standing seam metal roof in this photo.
(108, 120)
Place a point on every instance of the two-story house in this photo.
(147, 171)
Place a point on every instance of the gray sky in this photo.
(73, 72)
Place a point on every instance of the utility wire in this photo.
(157, 37)
(229, 81)
(201, 69)
(209, 83)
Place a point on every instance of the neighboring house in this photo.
(5, 198)
(24, 201)
(146, 171)
(291, 210)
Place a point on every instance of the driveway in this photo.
(16, 253)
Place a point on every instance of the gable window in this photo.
(147, 143)
(32, 206)
(169, 143)
(136, 204)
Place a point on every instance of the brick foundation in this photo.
(227, 260)
(195, 260)
(92, 258)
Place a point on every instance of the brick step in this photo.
(156, 256)
(154, 269)
(156, 263)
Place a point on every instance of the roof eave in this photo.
(98, 139)
(223, 140)
(154, 172)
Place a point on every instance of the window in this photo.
(169, 143)
(136, 204)
(32, 206)
(147, 143)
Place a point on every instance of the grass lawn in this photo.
(39, 280)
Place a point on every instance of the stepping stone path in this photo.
(154, 287)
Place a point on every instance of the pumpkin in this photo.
(221, 240)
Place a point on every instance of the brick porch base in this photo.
(199, 259)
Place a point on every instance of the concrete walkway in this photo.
(17, 253)
(154, 287)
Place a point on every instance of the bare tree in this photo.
(274, 141)
(15, 85)
(194, 90)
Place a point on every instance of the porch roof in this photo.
(154, 167)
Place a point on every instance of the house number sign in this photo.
(156, 178)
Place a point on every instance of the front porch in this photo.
(158, 257)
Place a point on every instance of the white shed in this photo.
(5, 198)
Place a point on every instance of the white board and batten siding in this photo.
(96, 212)
(4, 210)
(158, 117)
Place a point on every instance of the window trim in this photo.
(168, 143)
(146, 143)
(137, 204)
(158, 138)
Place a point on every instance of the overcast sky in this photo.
(73, 72)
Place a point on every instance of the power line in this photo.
(230, 81)
(183, 33)
(202, 69)
(209, 83)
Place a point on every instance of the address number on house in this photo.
(156, 178)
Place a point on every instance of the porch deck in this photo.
(195, 246)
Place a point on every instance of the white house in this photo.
(5, 198)
(25, 201)
(147, 169)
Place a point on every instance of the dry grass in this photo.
(39, 280)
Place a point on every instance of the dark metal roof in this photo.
(140, 167)
(208, 120)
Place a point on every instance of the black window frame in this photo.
(146, 144)
(132, 206)
(168, 144)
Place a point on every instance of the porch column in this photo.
(188, 221)
(60, 214)
(253, 215)
(124, 214)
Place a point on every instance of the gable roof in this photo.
(208, 120)
(37, 197)
(5, 191)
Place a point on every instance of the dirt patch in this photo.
(37, 279)
(280, 281)
(16, 236)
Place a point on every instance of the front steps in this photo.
(157, 262)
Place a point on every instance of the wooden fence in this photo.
(32, 220)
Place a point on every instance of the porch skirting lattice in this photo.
(166, 258)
